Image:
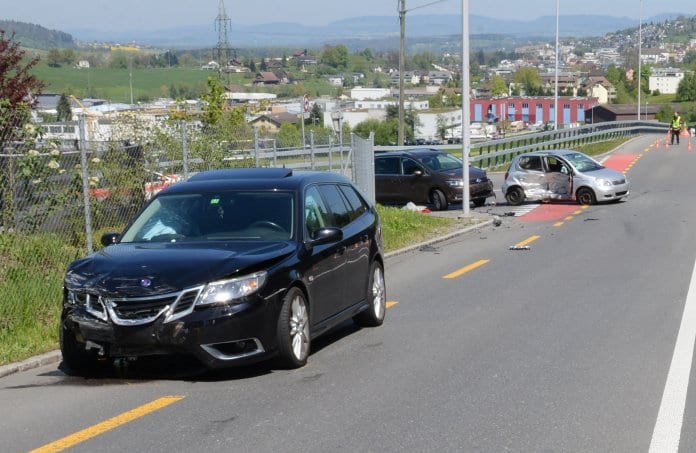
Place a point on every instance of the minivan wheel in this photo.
(293, 330)
(478, 202)
(515, 196)
(438, 199)
(76, 360)
(585, 196)
(377, 299)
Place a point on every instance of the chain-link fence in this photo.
(79, 187)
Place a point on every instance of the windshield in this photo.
(233, 215)
(441, 162)
(582, 163)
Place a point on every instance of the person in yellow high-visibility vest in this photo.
(675, 127)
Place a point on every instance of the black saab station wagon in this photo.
(232, 266)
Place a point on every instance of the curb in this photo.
(32, 362)
(55, 356)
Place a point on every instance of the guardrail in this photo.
(494, 153)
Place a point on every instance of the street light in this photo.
(640, 45)
(466, 122)
(555, 91)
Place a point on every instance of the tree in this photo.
(289, 136)
(315, 115)
(214, 101)
(18, 88)
(423, 61)
(686, 92)
(441, 124)
(335, 57)
(498, 86)
(63, 110)
(529, 79)
(54, 58)
(68, 56)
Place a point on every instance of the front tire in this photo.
(478, 202)
(293, 330)
(377, 295)
(585, 196)
(515, 196)
(76, 360)
(438, 199)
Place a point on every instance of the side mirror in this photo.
(417, 173)
(325, 236)
(110, 238)
(564, 170)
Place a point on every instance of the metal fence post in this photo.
(256, 147)
(275, 152)
(330, 152)
(85, 183)
(311, 150)
(184, 149)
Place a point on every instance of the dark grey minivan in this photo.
(427, 176)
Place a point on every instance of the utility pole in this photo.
(222, 51)
(402, 23)
(402, 64)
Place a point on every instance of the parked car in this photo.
(232, 266)
(562, 175)
(427, 176)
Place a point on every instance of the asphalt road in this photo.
(566, 346)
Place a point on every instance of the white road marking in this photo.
(665, 438)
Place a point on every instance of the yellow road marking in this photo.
(570, 217)
(578, 212)
(391, 303)
(107, 425)
(527, 241)
(584, 206)
(466, 269)
(557, 224)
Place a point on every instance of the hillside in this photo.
(35, 36)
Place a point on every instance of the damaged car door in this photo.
(559, 180)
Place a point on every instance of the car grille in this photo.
(619, 182)
(129, 311)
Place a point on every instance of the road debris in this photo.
(519, 247)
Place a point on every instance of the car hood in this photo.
(474, 173)
(138, 269)
(604, 173)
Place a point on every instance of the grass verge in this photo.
(31, 276)
(401, 227)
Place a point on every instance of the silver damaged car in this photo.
(562, 175)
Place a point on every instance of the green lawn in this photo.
(114, 84)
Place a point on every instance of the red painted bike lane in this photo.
(553, 211)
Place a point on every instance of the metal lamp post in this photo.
(640, 45)
(555, 91)
(466, 101)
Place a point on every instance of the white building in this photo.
(382, 105)
(353, 117)
(666, 80)
(361, 93)
(427, 124)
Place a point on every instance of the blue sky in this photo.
(160, 14)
